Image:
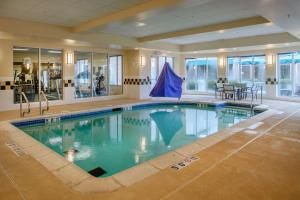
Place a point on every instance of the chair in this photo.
(252, 90)
(218, 89)
(228, 91)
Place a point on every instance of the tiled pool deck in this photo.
(252, 163)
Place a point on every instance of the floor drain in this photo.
(97, 172)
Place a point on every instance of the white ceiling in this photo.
(190, 13)
(61, 12)
(262, 29)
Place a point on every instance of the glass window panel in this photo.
(191, 75)
(100, 79)
(161, 63)
(259, 70)
(115, 75)
(51, 74)
(233, 70)
(285, 86)
(211, 73)
(201, 74)
(246, 71)
(83, 79)
(170, 60)
(26, 72)
(154, 71)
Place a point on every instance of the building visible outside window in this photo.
(201, 74)
(288, 71)
(247, 69)
(115, 74)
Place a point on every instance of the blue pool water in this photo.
(115, 141)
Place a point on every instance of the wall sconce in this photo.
(69, 58)
(143, 61)
(221, 61)
(270, 59)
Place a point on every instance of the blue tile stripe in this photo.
(101, 112)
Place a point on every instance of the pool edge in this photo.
(79, 180)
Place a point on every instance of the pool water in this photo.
(116, 141)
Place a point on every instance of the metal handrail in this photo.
(22, 113)
(42, 95)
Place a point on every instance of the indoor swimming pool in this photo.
(109, 141)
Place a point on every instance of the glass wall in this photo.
(201, 74)
(26, 73)
(115, 75)
(247, 69)
(288, 70)
(51, 73)
(83, 78)
(100, 72)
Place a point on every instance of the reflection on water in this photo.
(120, 140)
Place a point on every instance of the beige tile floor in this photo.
(262, 164)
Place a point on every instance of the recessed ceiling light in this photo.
(221, 50)
(287, 44)
(53, 51)
(69, 41)
(234, 48)
(269, 45)
(140, 24)
(221, 31)
(20, 49)
(269, 24)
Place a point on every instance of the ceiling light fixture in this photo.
(221, 31)
(20, 49)
(54, 51)
(269, 24)
(140, 24)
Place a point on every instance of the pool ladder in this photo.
(44, 97)
(22, 113)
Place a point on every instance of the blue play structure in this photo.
(168, 84)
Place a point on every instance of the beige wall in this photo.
(6, 57)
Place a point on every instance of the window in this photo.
(289, 74)
(154, 71)
(100, 79)
(201, 74)
(32, 78)
(162, 60)
(115, 74)
(51, 73)
(247, 69)
(26, 73)
(157, 64)
(83, 81)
